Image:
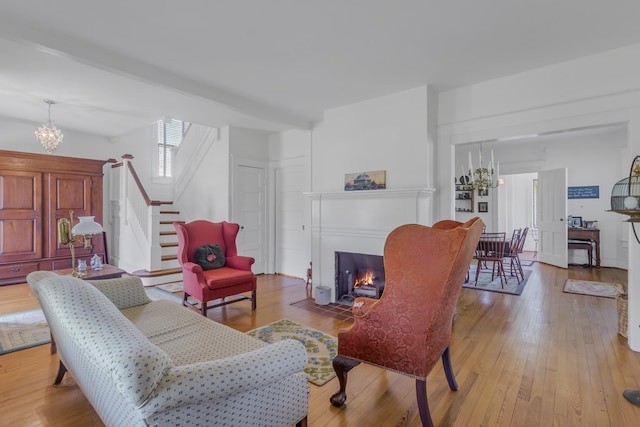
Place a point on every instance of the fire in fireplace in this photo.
(358, 275)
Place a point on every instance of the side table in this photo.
(108, 272)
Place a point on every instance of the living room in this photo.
(414, 134)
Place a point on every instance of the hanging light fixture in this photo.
(483, 178)
(49, 135)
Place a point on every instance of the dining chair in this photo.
(511, 253)
(491, 248)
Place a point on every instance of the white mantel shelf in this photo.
(368, 194)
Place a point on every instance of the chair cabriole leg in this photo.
(342, 365)
(423, 405)
(448, 369)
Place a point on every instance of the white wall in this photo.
(207, 193)
(249, 144)
(586, 79)
(387, 133)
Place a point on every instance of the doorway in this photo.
(249, 210)
(517, 205)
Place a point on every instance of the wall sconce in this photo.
(67, 235)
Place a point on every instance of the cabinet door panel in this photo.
(20, 221)
(66, 193)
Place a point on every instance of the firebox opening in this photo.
(358, 275)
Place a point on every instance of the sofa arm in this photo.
(123, 292)
(240, 262)
(217, 379)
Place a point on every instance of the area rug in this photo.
(171, 287)
(596, 289)
(155, 293)
(321, 348)
(26, 329)
(486, 284)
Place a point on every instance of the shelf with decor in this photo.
(464, 198)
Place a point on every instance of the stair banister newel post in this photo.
(124, 178)
(154, 234)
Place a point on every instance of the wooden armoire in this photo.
(36, 190)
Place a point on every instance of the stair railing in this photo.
(138, 218)
(139, 222)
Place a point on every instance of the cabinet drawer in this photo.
(17, 270)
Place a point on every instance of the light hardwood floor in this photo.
(540, 359)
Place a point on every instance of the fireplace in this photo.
(358, 275)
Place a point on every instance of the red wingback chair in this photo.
(234, 278)
(409, 328)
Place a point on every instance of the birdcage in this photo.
(625, 195)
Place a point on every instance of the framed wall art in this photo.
(483, 207)
(372, 180)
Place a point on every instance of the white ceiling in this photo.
(115, 66)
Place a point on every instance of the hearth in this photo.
(358, 275)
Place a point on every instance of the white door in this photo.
(552, 217)
(291, 257)
(249, 211)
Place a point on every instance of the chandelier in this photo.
(483, 178)
(49, 135)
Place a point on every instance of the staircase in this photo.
(149, 244)
(170, 270)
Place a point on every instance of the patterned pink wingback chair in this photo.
(409, 328)
(234, 278)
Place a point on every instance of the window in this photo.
(170, 135)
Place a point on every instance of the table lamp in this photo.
(86, 227)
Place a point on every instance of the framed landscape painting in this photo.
(372, 180)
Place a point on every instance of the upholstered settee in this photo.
(143, 362)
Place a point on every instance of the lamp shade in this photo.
(86, 226)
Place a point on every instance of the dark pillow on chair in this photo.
(209, 257)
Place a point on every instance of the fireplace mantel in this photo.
(374, 194)
(360, 221)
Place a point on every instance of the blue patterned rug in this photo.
(321, 348)
(485, 283)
